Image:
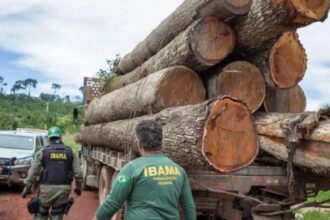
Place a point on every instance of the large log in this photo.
(205, 43)
(177, 22)
(220, 134)
(313, 150)
(285, 100)
(284, 63)
(268, 19)
(240, 79)
(174, 86)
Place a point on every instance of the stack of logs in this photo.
(221, 77)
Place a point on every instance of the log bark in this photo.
(285, 100)
(240, 79)
(313, 150)
(218, 134)
(205, 43)
(178, 21)
(268, 19)
(313, 155)
(284, 63)
(174, 86)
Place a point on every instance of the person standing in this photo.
(58, 165)
(152, 185)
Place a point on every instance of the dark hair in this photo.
(149, 134)
(53, 138)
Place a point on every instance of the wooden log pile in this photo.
(221, 77)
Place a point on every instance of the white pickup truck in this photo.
(17, 151)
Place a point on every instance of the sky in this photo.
(63, 41)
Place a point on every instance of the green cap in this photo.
(54, 132)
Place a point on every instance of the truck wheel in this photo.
(104, 183)
(107, 176)
(84, 172)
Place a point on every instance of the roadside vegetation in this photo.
(22, 111)
(317, 215)
(19, 109)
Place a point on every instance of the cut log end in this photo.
(212, 40)
(242, 80)
(180, 86)
(287, 61)
(229, 142)
(285, 100)
(311, 10)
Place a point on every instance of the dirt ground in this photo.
(13, 206)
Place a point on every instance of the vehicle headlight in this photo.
(23, 161)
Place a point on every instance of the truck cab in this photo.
(17, 151)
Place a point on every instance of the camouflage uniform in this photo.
(52, 197)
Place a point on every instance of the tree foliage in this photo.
(41, 112)
(2, 84)
(30, 83)
(104, 75)
(49, 97)
(56, 87)
(18, 85)
(24, 85)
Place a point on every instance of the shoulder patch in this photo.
(122, 179)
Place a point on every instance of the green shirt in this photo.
(153, 186)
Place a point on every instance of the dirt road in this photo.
(13, 206)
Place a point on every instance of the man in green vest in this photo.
(152, 185)
(58, 165)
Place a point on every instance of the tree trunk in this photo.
(220, 134)
(268, 19)
(205, 43)
(174, 86)
(285, 100)
(177, 22)
(239, 79)
(313, 149)
(284, 64)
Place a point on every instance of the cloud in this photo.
(325, 64)
(316, 86)
(66, 40)
(70, 39)
(315, 39)
(15, 7)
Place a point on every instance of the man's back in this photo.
(157, 187)
(154, 186)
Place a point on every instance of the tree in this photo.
(19, 85)
(48, 97)
(30, 83)
(105, 74)
(81, 89)
(67, 98)
(325, 110)
(56, 87)
(76, 99)
(2, 84)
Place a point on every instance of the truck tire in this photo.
(105, 180)
(107, 176)
(84, 168)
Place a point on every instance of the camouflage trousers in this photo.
(52, 200)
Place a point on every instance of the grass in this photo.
(68, 139)
(316, 215)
